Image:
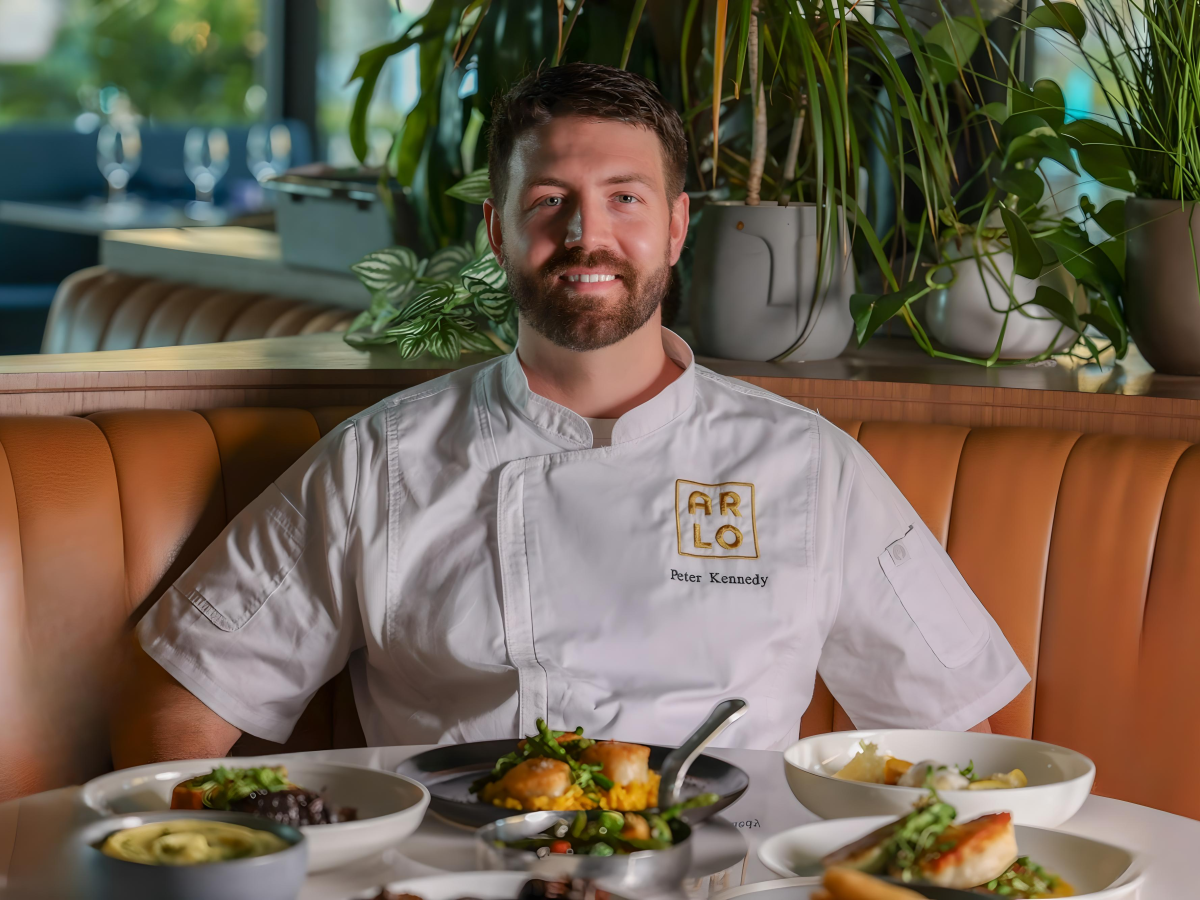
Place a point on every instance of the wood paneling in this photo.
(888, 381)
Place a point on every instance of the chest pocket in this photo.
(936, 598)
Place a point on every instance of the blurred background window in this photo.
(347, 28)
(178, 61)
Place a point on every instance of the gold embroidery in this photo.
(727, 544)
(707, 510)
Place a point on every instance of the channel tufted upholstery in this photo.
(1081, 546)
(97, 309)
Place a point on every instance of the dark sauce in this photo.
(294, 806)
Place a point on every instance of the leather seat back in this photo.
(97, 309)
(1081, 547)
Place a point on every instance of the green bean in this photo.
(579, 823)
(601, 849)
(613, 821)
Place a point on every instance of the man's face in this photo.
(586, 233)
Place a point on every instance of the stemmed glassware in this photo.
(205, 160)
(118, 154)
(268, 151)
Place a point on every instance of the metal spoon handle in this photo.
(678, 761)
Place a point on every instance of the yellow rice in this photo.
(631, 797)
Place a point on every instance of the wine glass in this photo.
(205, 160)
(118, 154)
(268, 151)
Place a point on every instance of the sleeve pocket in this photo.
(238, 572)
(935, 598)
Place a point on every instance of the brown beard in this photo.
(578, 322)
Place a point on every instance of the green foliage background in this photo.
(179, 60)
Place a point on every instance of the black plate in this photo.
(449, 771)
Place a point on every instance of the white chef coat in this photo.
(481, 565)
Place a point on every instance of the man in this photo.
(593, 529)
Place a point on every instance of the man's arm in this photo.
(984, 727)
(155, 718)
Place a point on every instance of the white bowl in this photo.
(1096, 870)
(787, 889)
(453, 885)
(1059, 779)
(390, 806)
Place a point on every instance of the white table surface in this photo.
(34, 832)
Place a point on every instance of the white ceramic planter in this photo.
(754, 284)
(965, 318)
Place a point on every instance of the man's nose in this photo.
(588, 227)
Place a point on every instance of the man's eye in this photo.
(553, 201)
(626, 198)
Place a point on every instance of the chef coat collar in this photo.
(669, 403)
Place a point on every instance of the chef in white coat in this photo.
(593, 530)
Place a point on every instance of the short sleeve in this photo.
(266, 614)
(910, 645)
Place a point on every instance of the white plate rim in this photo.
(1133, 876)
(511, 880)
(87, 791)
(1032, 788)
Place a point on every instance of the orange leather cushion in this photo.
(75, 604)
(1159, 746)
(257, 446)
(330, 320)
(329, 417)
(923, 461)
(292, 321)
(1000, 526)
(1101, 550)
(172, 496)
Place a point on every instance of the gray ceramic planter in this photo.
(754, 285)
(1162, 300)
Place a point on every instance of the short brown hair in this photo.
(593, 92)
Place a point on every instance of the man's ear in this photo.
(491, 218)
(678, 228)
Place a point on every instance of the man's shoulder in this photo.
(725, 393)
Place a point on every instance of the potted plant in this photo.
(773, 278)
(1146, 70)
(1008, 276)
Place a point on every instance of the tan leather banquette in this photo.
(98, 309)
(1082, 547)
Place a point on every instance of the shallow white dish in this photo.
(1059, 779)
(1096, 870)
(787, 889)
(390, 806)
(453, 885)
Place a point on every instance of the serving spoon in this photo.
(679, 760)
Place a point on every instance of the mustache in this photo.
(578, 257)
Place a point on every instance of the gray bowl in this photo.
(274, 876)
(632, 872)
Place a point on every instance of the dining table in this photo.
(36, 858)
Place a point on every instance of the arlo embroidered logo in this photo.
(716, 521)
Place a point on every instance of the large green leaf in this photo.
(389, 272)
(1023, 183)
(1101, 152)
(1064, 17)
(1112, 217)
(1050, 105)
(1027, 261)
(957, 36)
(475, 188)
(870, 311)
(1041, 146)
(1057, 305)
(447, 262)
(486, 269)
